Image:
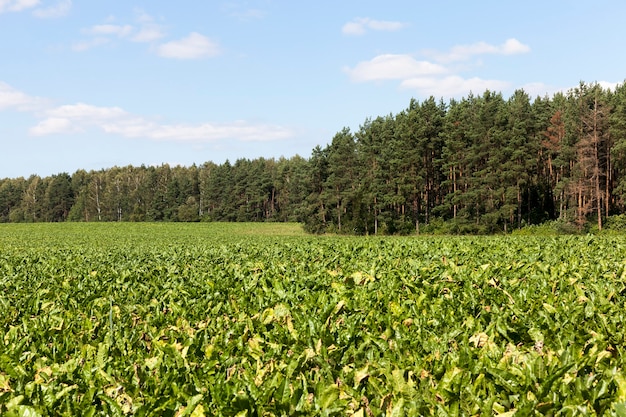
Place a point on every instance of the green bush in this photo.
(549, 228)
(616, 223)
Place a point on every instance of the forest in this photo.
(481, 164)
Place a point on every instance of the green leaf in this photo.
(23, 411)
(620, 409)
(329, 396)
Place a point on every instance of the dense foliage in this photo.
(214, 319)
(477, 165)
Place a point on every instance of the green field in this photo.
(258, 320)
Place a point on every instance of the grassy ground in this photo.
(96, 233)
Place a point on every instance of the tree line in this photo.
(481, 164)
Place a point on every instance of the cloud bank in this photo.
(392, 67)
(145, 30)
(361, 25)
(59, 9)
(114, 120)
(194, 46)
(465, 52)
(12, 99)
(82, 117)
(17, 5)
(437, 76)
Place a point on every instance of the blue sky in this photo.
(93, 84)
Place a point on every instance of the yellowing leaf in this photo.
(309, 353)
(152, 363)
(395, 308)
(268, 316)
(510, 413)
(359, 413)
(4, 383)
(479, 339)
(198, 411)
(43, 375)
(397, 410)
(361, 374)
(281, 311)
(290, 328)
(339, 306)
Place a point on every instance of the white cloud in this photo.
(11, 98)
(121, 31)
(437, 76)
(245, 14)
(608, 85)
(143, 17)
(393, 67)
(52, 125)
(17, 5)
(62, 8)
(87, 112)
(452, 86)
(145, 31)
(465, 52)
(80, 117)
(207, 132)
(114, 120)
(102, 35)
(76, 118)
(535, 89)
(242, 11)
(90, 43)
(193, 46)
(249, 14)
(359, 26)
(148, 33)
(513, 47)
(540, 89)
(149, 30)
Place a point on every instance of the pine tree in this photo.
(341, 183)
(617, 131)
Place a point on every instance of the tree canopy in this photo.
(481, 164)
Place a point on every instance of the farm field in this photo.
(260, 319)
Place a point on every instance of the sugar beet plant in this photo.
(194, 320)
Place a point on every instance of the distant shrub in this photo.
(616, 223)
(553, 227)
(459, 226)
